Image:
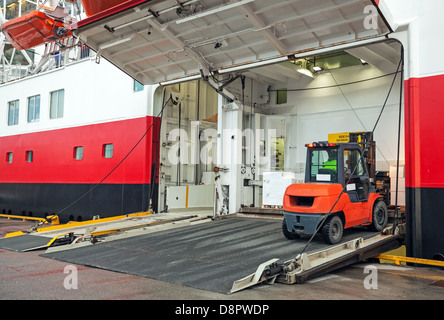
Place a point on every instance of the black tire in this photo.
(289, 235)
(332, 230)
(379, 216)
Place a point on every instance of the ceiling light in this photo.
(316, 68)
(363, 61)
(305, 72)
(115, 43)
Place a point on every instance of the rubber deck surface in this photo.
(24, 243)
(209, 256)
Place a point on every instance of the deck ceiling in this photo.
(156, 41)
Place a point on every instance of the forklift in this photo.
(338, 192)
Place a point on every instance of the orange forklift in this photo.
(338, 192)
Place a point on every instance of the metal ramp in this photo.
(43, 236)
(24, 243)
(307, 266)
(208, 256)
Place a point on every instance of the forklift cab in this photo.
(339, 163)
(336, 195)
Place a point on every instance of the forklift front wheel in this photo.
(332, 230)
(380, 216)
(289, 235)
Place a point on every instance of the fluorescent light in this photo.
(253, 65)
(316, 68)
(305, 72)
(363, 61)
(115, 43)
(215, 10)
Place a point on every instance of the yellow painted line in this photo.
(404, 273)
(14, 234)
(103, 232)
(399, 259)
(24, 218)
(72, 224)
(55, 238)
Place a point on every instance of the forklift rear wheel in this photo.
(332, 230)
(289, 235)
(380, 216)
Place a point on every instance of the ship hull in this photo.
(74, 202)
(56, 181)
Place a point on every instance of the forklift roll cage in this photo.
(337, 193)
(350, 168)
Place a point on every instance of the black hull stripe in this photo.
(42, 199)
(425, 222)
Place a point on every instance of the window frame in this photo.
(75, 154)
(29, 152)
(59, 107)
(315, 166)
(35, 109)
(353, 158)
(9, 157)
(15, 104)
(104, 150)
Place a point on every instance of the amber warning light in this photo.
(320, 144)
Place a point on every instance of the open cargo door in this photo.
(158, 41)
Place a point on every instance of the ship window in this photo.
(108, 150)
(13, 112)
(57, 102)
(9, 157)
(29, 156)
(34, 108)
(137, 86)
(78, 153)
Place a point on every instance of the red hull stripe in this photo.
(424, 142)
(53, 154)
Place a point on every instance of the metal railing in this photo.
(55, 56)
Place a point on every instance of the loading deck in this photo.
(210, 255)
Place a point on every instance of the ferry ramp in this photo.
(208, 256)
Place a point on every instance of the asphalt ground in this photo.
(30, 276)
